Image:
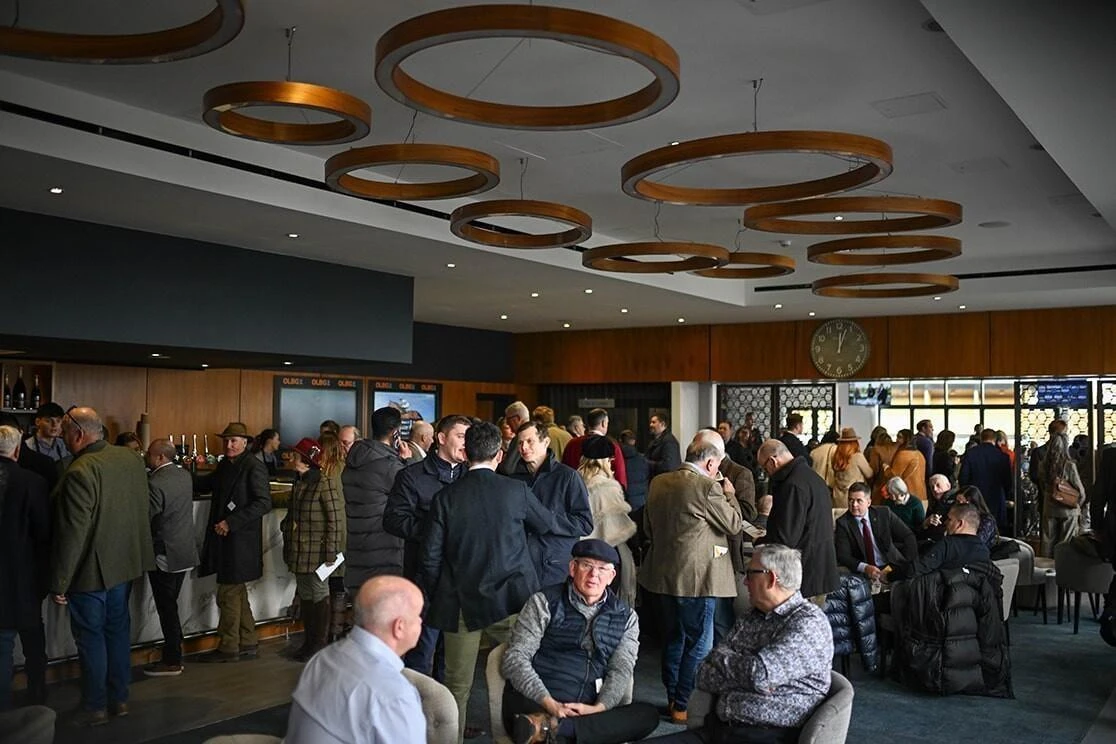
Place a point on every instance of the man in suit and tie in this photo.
(869, 538)
(477, 568)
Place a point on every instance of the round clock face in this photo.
(839, 348)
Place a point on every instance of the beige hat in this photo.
(848, 434)
(235, 429)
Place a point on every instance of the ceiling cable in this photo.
(494, 68)
(290, 32)
(408, 136)
(15, 19)
(523, 162)
(756, 85)
(658, 209)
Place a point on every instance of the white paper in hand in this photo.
(323, 571)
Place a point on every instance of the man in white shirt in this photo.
(354, 691)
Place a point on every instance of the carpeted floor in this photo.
(1062, 683)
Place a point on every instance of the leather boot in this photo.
(316, 618)
(306, 611)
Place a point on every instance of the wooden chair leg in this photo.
(1076, 611)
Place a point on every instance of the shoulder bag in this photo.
(1065, 494)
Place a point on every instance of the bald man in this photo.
(354, 691)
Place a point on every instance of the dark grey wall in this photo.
(111, 284)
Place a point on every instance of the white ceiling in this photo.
(825, 65)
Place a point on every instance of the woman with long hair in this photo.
(909, 464)
(314, 532)
(1059, 521)
(610, 509)
(849, 466)
(987, 532)
(265, 447)
(879, 460)
(945, 457)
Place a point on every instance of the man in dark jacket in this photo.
(239, 498)
(801, 517)
(870, 538)
(370, 470)
(1102, 509)
(171, 508)
(24, 559)
(408, 506)
(558, 488)
(477, 565)
(960, 547)
(664, 454)
(790, 437)
(989, 469)
(101, 543)
(639, 472)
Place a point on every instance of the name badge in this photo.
(600, 684)
(231, 506)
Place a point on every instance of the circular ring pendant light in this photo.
(485, 168)
(577, 27)
(864, 286)
(930, 214)
(220, 26)
(876, 154)
(623, 258)
(764, 266)
(463, 219)
(921, 248)
(222, 112)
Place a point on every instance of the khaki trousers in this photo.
(236, 628)
(462, 648)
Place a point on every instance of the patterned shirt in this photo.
(773, 668)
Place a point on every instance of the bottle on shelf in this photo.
(177, 448)
(19, 392)
(36, 393)
(7, 392)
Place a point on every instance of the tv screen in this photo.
(416, 401)
(870, 394)
(302, 403)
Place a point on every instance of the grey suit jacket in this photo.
(171, 510)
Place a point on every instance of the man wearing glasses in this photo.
(562, 632)
(102, 542)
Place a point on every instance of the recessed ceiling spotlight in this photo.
(451, 266)
(674, 144)
(56, 190)
(534, 294)
(961, 307)
(993, 224)
(503, 317)
(812, 313)
(287, 364)
(292, 236)
(681, 320)
(937, 298)
(778, 306)
(588, 291)
(623, 309)
(565, 325)
(838, 218)
(156, 355)
(205, 366)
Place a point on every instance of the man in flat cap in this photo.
(240, 497)
(561, 632)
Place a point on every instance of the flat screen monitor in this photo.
(302, 403)
(1064, 394)
(416, 401)
(870, 394)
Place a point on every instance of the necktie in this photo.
(869, 547)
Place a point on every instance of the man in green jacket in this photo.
(103, 543)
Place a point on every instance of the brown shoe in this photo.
(678, 716)
(532, 728)
(162, 670)
(118, 710)
(89, 718)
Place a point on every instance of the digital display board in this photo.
(1065, 394)
(416, 401)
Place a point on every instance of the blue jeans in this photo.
(689, 637)
(102, 629)
(7, 649)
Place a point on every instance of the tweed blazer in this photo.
(101, 535)
(688, 521)
(315, 529)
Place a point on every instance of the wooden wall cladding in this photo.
(119, 394)
(614, 355)
(1064, 341)
(257, 395)
(192, 401)
(948, 345)
(749, 352)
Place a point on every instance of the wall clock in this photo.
(839, 348)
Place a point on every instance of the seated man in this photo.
(773, 669)
(960, 547)
(870, 538)
(354, 692)
(562, 632)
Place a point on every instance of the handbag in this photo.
(1065, 494)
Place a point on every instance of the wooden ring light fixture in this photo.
(930, 214)
(764, 266)
(876, 154)
(860, 286)
(463, 218)
(597, 32)
(622, 258)
(922, 248)
(485, 168)
(222, 104)
(219, 27)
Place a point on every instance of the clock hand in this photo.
(840, 340)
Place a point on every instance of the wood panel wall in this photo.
(1071, 341)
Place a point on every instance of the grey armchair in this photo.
(438, 706)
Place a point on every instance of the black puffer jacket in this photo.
(370, 471)
(852, 616)
(951, 632)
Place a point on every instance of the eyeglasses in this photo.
(593, 568)
(757, 571)
(69, 415)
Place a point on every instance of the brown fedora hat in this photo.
(848, 434)
(235, 429)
